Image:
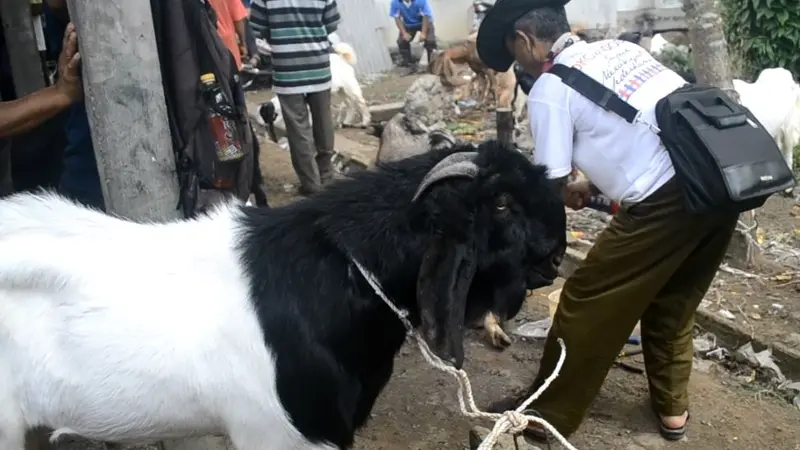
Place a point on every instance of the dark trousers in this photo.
(250, 40)
(405, 46)
(653, 263)
(310, 145)
(6, 183)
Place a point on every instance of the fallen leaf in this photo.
(786, 276)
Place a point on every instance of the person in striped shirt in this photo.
(297, 31)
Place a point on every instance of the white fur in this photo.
(774, 98)
(658, 44)
(128, 332)
(343, 80)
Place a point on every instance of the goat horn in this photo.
(461, 164)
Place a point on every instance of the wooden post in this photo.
(26, 66)
(127, 113)
(505, 125)
(125, 105)
(712, 67)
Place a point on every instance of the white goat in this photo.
(774, 98)
(58, 294)
(658, 44)
(343, 80)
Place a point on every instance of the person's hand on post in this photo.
(404, 35)
(578, 195)
(69, 66)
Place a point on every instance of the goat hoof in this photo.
(498, 337)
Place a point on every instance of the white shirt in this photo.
(627, 162)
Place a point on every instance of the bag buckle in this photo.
(638, 119)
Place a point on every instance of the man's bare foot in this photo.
(675, 421)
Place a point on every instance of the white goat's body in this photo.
(774, 98)
(87, 349)
(343, 80)
(658, 44)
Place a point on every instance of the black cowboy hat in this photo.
(498, 23)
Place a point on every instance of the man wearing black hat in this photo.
(655, 261)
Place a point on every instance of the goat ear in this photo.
(443, 283)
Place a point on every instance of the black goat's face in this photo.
(269, 115)
(490, 208)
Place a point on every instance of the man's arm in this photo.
(239, 17)
(553, 131)
(427, 17)
(330, 16)
(394, 12)
(24, 114)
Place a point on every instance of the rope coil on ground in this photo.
(512, 422)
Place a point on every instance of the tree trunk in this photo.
(712, 67)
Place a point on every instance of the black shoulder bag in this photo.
(723, 157)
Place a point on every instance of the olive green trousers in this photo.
(653, 263)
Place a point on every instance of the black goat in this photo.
(282, 342)
(631, 36)
(257, 187)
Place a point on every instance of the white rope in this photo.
(512, 422)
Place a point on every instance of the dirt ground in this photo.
(418, 410)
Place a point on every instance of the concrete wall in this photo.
(453, 18)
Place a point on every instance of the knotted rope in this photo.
(512, 422)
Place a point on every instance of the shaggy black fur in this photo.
(269, 115)
(631, 36)
(257, 187)
(444, 257)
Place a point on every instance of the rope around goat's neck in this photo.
(513, 422)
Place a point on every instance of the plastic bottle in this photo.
(602, 203)
(223, 128)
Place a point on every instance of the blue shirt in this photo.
(411, 13)
(79, 177)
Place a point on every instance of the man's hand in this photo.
(243, 50)
(577, 194)
(69, 66)
(404, 35)
(422, 36)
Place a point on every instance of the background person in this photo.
(412, 17)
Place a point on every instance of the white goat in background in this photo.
(774, 98)
(343, 80)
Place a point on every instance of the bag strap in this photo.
(598, 94)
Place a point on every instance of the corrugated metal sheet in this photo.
(362, 26)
